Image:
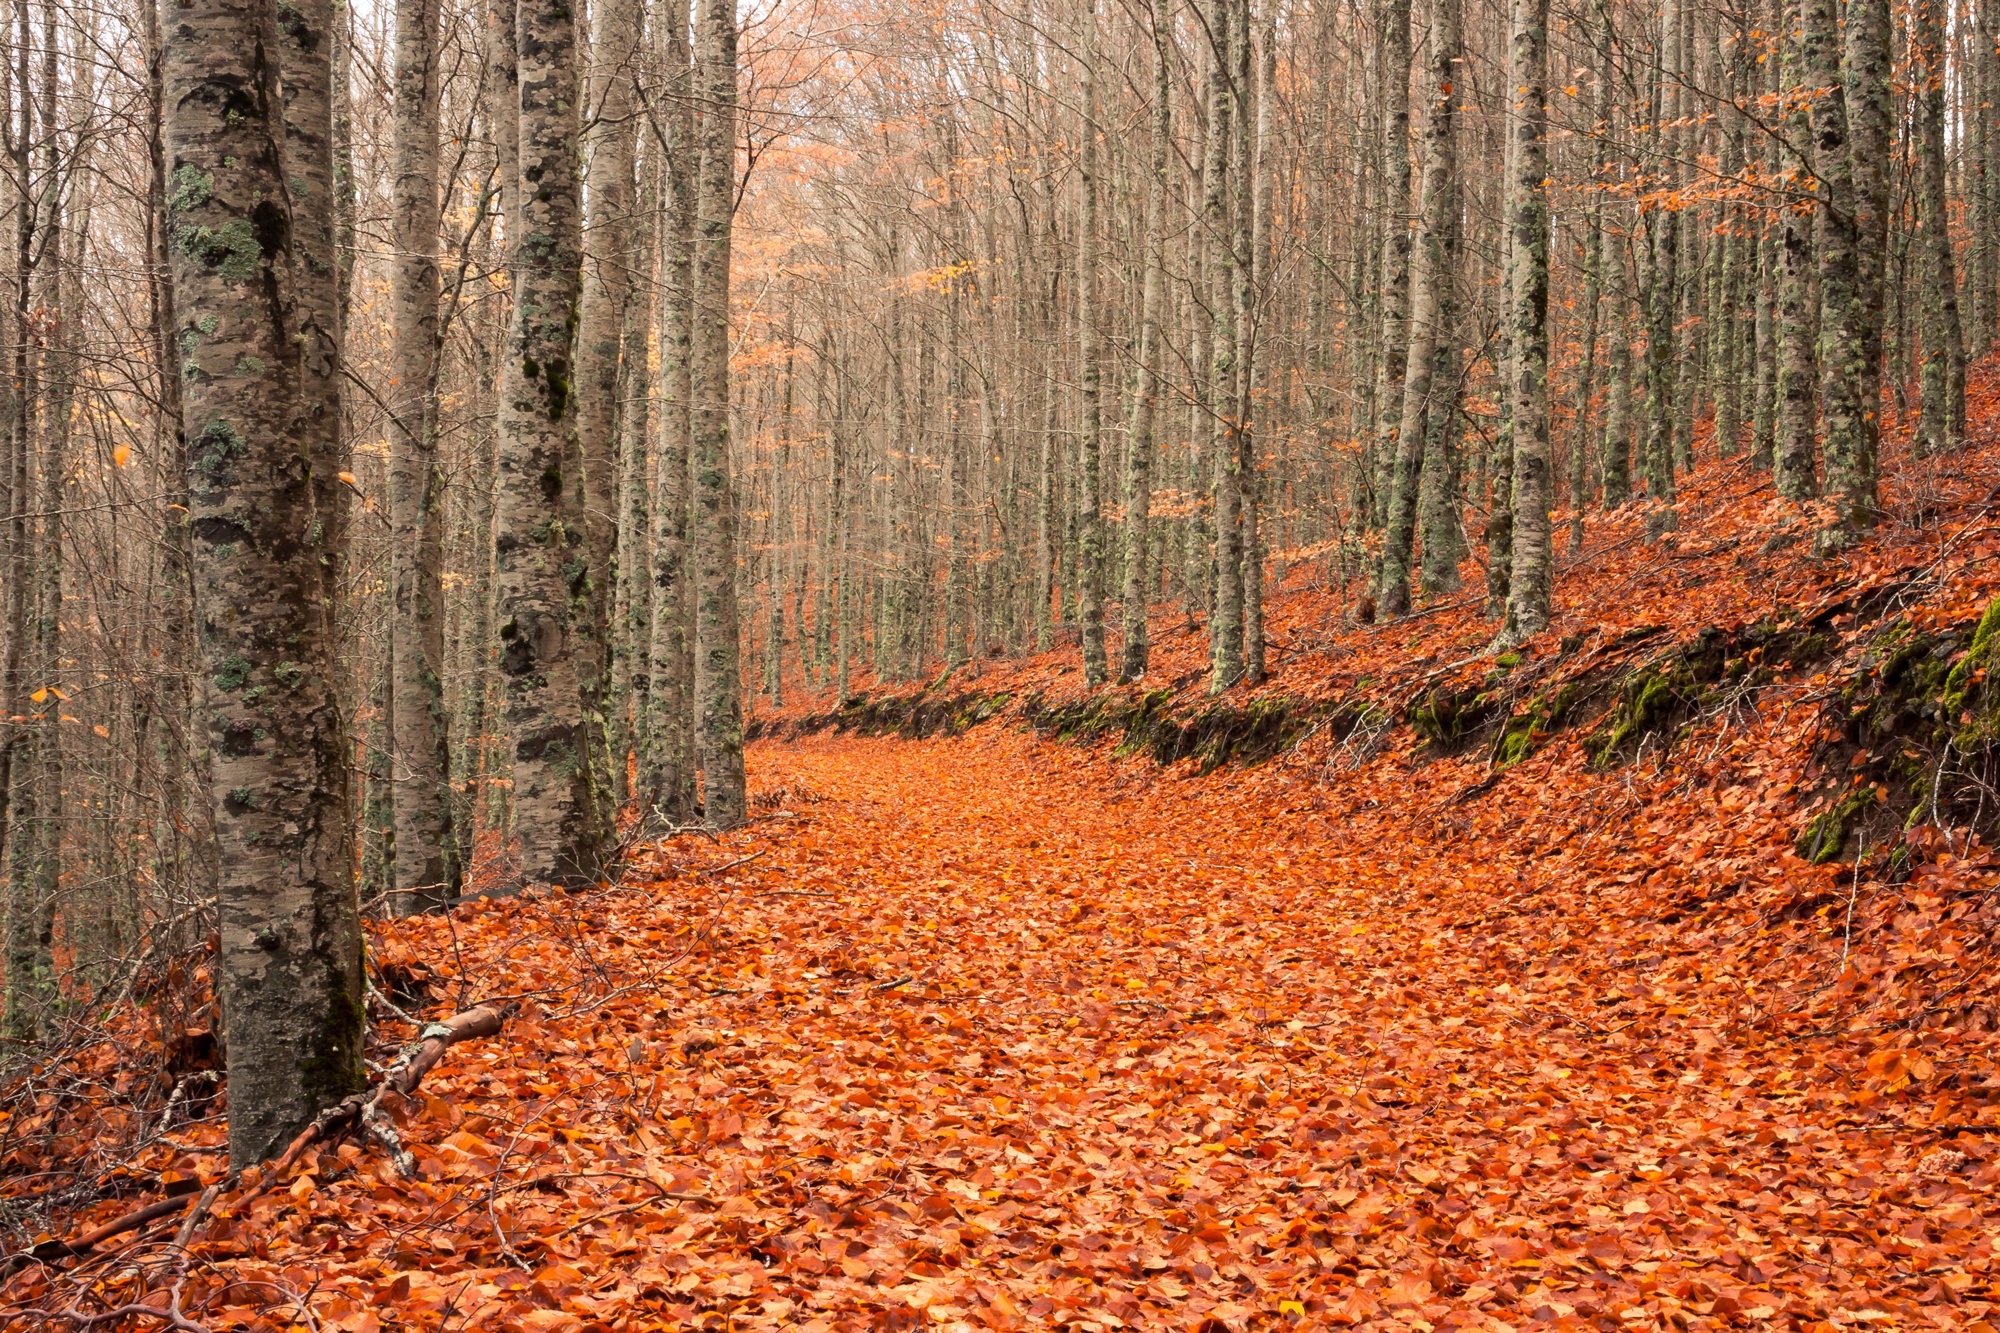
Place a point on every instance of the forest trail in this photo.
(994, 1032)
(1638, 980)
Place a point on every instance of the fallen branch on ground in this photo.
(363, 1109)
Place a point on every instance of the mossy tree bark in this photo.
(427, 865)
(309, 40)
(1850, 455)
(559, 813)
(1500, 449)
(1528, 322)
(1225, 625)
(1941, 423)
(1393, 117)
(1662, 291)
(632, 665)
(1090, 538)
(666, 763)
(1145, 403)
(1795, 462)
(717, 673)
(1725, 333)
(600, 336)
(1255, 94)
(1871, 119)
(289, 958)
(1430, 306)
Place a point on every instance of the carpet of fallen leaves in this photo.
(996, 1033)
(992, 1032)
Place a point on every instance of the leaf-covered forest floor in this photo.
(1599, 988)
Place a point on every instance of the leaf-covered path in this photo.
(999, 1033)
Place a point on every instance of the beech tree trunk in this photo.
(1528, 323)
(666, 765)
(1430, 305)
(1499, 481)
(1225, 625)
(1255, 77)
(1850, 456)
(1395, 215)
(717, 674)
(1795, 461)
(1090, 538)
(322, 257)
(600, 335)
(559, 813)
(1139, 453)
(632, 674)
(1662, 291)
(1941, 423)
(426, 866)
(1871, 117)
(288, 964)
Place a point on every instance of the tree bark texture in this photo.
(289, 957)
(1850, 455)
(600, 336)
(1145, 407)
(1090, 376)
(717, 674)
(427, 863)
(1430, 306)
(1941, 422)
(538, 562)
(667, 767)
(1795, 462)
(1225, 625)
(1528, 323)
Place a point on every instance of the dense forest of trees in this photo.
(428, 428)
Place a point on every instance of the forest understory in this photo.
(1639, 978)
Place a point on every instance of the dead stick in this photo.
(50, 1250)
(436, 1039)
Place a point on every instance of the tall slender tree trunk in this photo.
(16, 734)
(1198, 563)
(1941, 378)
(322, 256)
(1662, 292)
(1090, 537)
(1430, 285)
(1528, 322)
(717, 674)
(1591, 301)
(1499, 479)
(1726, 327)
(288, 962)
(1983, 174)
(637, 391)
(560, 813)
(1850, 457)
(1795, 462)
(1253, 235)
(1615, 462)
(1393, 116)
(1871, 118)
(600, 336)
(1139, 453)
(1764, 386)
(189, 813)
(666, 765)
(1225, 625)
(426, 865)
